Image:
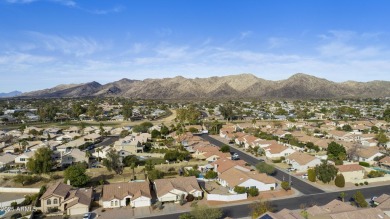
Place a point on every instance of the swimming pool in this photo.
(380, 169)
(2, 212)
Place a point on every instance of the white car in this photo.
(87, 215)
(305, 176)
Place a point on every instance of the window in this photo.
(55, 201)
(112, 203)
(48, 202)
(22, 159)
(116, 203)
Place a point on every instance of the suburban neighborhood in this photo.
(154, 162)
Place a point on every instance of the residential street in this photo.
(298, 184)
(243, 210)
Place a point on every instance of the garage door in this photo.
(142, 203)
(76, 211)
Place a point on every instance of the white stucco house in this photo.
(235, 177)
(174, 189)
(134, 194)
(351, 172)
(276, 151)
(302, 162)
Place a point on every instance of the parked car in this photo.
(305, 176)
(291, 169)
(235, 156)
(87, 215)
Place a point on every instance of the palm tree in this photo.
(24, 144)
(342, 195)
(98, 150)
(132, 166)
(88, 155)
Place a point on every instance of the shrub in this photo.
(239, 189)
(339, 181)
(14, 205)
(365, 183)
(311, 175)
(272, 188)
(356, 184)
(211, 175)
(190, 198)
(361, 184)
(253, 191)
(364, 164)
(375, 174)
(285, 185)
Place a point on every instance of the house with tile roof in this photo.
(369, 154)
(174, 189)
(225, 164)
(302, 161)
(385, 162)
(276, 151)
(134, 194)
(351, 172)
(62, 197)
(248, 179)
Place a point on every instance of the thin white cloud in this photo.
(74, 45)
(245, 34)
(116, 9)
(68, 3)
(276, 42)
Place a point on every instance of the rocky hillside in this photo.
(298, 86)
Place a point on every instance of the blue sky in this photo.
(44, 43)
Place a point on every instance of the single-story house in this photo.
(174, 189)
(302, 161)
(134, 194)
(351, 172)
(235, 177)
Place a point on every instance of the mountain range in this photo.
(10, 94)
(242, 86)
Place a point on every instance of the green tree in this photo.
(347, 128)
(311, 175)
(386, 115)
(339, 180)
(263, 167)
(336, 152)
(113, 163)
(149, 165)
(239, 189)
(155, 134)
(360, 200)
(225, 148)
(205, 212)
(211, 175)
(41, 162)
(285, 185)
(76, 174)
(326, 172)
(253, 191)
(155, 174)
(342, 196)
(124, 133)
(127, 111)
(164, 130)
(260, 207)
(382, 138)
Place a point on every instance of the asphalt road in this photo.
(243, 210)
(298, 184)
